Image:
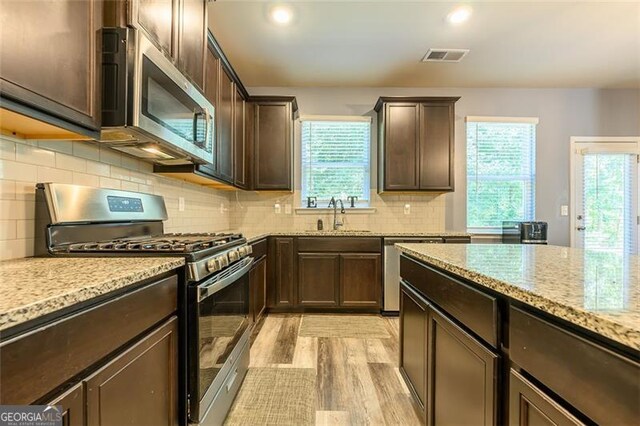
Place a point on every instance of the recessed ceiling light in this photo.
(281, 15)
(459, 15)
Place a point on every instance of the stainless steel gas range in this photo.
(74, 220)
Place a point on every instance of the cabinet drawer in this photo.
(35, 363)
(476, 310)
(340, 244)
(259, 249)
(599, 383)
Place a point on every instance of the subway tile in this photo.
(8, 229)
(65, 147)
(7, 190)
(25, 191)
(17, 171)
(86, 179)
(25, 229)
(86, 150)
(7, 149)
(98, 169)
(17, 209)
(109, 156)
(129, 162)
(68, 162)
(120, 173)
(14, 249)
(106, 182)
(128, 186)
(34, 155)
(49, 174)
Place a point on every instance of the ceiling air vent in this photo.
(445, 55)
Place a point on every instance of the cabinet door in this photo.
(140, 385)
(73, 403)
(240, 178)
(193, 40)
(51, 55)
(318, 279)
(273, 146)
(529, 406)
(360, 280)
(224, 120)
(159, 19)
(461, 377)
(401, 147)
(436, 146)
(211, 91)
(413, 343)
(258, 282)
(283, 271)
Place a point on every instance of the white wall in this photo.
(563, 113)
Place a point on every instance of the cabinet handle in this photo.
(232, 380)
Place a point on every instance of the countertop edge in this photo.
(587, 320)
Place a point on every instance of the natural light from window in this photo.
(500, 172)
(336, 159)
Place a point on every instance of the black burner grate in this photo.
(179, 243)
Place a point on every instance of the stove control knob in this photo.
(249, 249)
(223, 261)
(234, 255)
(243, 251)
(213, 265)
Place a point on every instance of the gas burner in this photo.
(173, 242)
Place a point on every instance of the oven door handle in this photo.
(210, 287)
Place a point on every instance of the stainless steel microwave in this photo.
(149, 108)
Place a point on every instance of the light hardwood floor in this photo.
(357, 382)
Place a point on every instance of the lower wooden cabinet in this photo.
(258, 288)
(318, 279)
(461, 377)
(413, 343)
(530, 406)
(73, 405)
(360, 280)
(282, 272)
(139, 386)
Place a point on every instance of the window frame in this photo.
(507, 178)
(366, 184)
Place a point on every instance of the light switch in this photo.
(564, 210)
(407, 209)
(287, 209)
(277, 209)
(181, 204)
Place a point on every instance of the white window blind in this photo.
(335, 159)
(500, 172)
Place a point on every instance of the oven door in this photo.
(219, 328)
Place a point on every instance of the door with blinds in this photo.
(606, 197)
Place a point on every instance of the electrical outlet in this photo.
(287, 209)
(222, 208)
(277, 209)
(181, 204)
(564, 210)
(407, 209)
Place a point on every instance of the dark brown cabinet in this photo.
(283, 274)
(140, 385)
(258, 288)
(415, 142)
(318, 279)
(51, 54)
(73, 405)
(460, 368)
(413, 343)
(530, 406)
(158, 19)
(224, 122)
(192, 40)
(273, 142)
(242, 155)
(360, 280)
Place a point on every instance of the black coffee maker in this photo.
(524, 232)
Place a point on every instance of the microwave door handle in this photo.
(207, 124)
(208, 288)
(197, 142)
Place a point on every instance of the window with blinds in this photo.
(500, 172)
(335, 160)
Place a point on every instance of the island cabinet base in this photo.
(471, 355)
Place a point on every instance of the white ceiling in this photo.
(381, 43)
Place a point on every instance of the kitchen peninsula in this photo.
(560, 325)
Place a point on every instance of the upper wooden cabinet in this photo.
(241, 154)
(177, 27)
(415, 143)
(50, 53)
(273, 142)
(224, 117)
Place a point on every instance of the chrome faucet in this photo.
(334, 203)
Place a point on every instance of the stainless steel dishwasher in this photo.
(392, 269)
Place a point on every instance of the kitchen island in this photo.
(523, 332)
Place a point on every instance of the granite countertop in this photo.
(33, 287)
(597, 291)
(253, 236)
